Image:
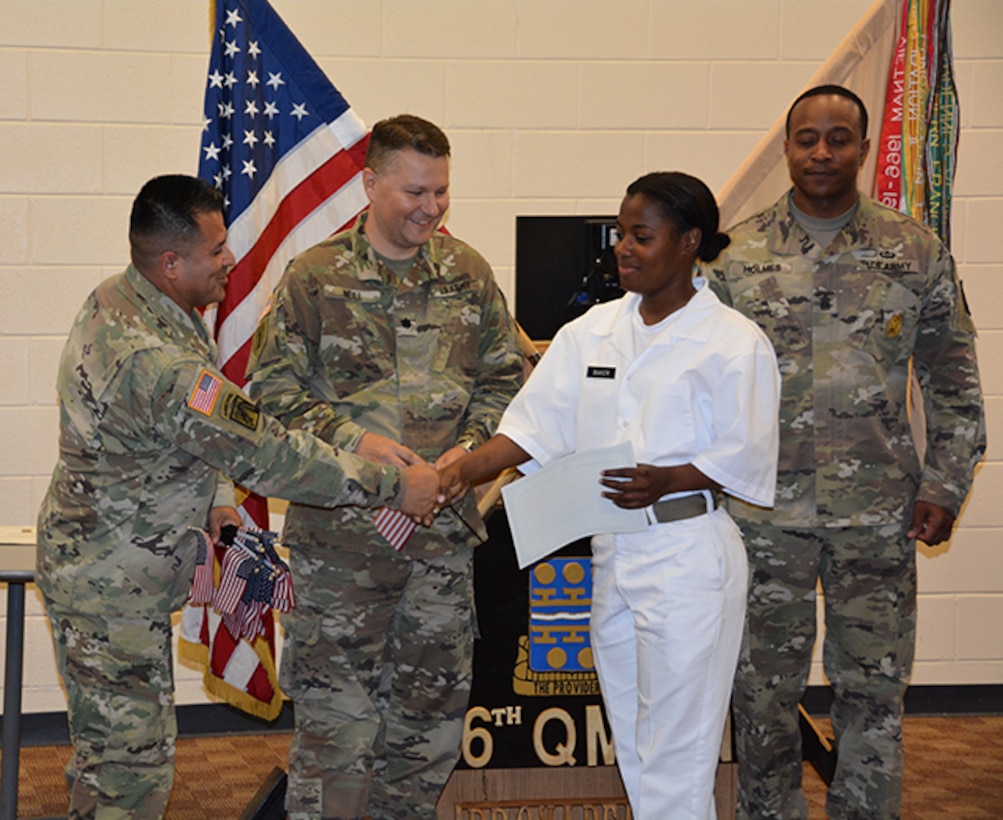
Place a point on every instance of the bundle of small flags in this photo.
(252, 580)
(227, 626)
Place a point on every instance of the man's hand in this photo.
(220, 517)
(382, 450)
(930, 523)
(420, 492)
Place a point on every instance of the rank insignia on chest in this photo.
(894, 326)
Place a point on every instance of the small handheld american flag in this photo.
(395, 526)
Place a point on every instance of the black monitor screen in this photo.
(563, 265)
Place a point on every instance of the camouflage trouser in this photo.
(377, 661)
(868, 577)
(120, 706)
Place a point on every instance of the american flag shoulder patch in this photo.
(203, 397)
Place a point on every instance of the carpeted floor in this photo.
(954, 769)
(216, 777)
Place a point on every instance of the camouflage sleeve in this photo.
(209, 417)
(499, 368)
(948, 373)
(226, 494)
(284, 376)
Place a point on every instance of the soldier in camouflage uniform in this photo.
(851, 293)
(393, 340)
(147, 425)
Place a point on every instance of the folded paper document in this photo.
(562, 502)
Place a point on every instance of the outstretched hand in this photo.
(420, 493)
(458, 471)
(452, 485)
(449, 456)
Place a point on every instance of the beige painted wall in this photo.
(552, 106)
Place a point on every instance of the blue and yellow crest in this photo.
(560, 598)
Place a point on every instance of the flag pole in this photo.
(487, 501)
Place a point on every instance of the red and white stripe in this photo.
(314, 191)
(395, 526)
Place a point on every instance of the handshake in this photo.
(428, 488)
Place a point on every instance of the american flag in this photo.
(286, 151)
(204, 395)
(395, 526)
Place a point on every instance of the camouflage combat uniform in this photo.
(146, 425)
(846, 322)
(377, 656)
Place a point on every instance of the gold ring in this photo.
(436, 510)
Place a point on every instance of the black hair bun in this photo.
(713, 246)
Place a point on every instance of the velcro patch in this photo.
(240, 411)
(203, 397)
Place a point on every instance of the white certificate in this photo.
(561, 503)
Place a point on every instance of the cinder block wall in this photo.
(552, 107)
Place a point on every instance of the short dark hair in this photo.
(164, 214)
(402, 132)
(839, 91)
(687, 203)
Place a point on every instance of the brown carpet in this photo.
(954, 769)
(216, 777)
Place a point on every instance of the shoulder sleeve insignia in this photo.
(203, 397)
(261, 335)
(240, 411)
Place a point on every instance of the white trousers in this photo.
(668, 605)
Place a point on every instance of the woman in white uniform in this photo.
(693, 385)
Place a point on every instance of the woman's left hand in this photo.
(634, 487)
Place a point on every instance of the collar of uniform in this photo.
(786, 236)
(686, 322)
(866, 226)
(163, 306)
(426, 263)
